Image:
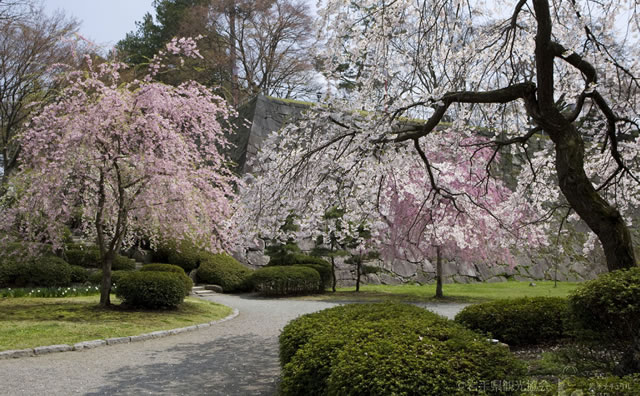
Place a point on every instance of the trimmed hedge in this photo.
(79, 274)
(380, 349)
(285, 280)
(89, 257)
(521, 321)
(322, 266)
(188, 283)
(47, 271)
(608, 307)
(225, 271)
(183, 254)
(150, 289)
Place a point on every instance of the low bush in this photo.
(79, 274)
(322, 266)
(521, 321)
(225, 271)
(150, 289)
(45, 271)
(188, 283)
(608, 307)
(379, 349)
(89, 257)
(285, 280)
(183, 254)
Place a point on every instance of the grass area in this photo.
(32, 322)
(454, 292)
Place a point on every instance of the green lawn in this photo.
(473, 292)
(32, 322)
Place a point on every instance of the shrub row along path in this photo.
(237, 357)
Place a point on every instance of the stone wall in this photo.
(266, 114)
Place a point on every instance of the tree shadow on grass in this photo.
(244, 365)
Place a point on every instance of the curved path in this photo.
(237, 357)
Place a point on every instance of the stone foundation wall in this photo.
(527, 268)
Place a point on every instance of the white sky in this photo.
(104, 22)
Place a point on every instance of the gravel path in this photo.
(237, 357)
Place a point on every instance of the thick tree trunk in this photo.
(603, 219)
(439, 293)
(105, 288)
(358, 263)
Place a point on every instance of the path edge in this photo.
(44, 350)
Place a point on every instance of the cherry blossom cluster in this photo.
(125, 161)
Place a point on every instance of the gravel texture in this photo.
(235, 357)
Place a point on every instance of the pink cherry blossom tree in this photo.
(419, 201)
(128, 160)
(469, 217)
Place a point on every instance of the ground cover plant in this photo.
(69, 291)
(456, 292)
(32, 322)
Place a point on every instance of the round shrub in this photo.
(223, 270)
(89, 257)
(521, 321)
(379, 349)
(285, 280)
(608, 307)
(150, 289)
(79, 274)
(183, 254)
(188, 283)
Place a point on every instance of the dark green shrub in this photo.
(95, 278)
(223, 270)
(150, 289)
(285, 280)
(608, 307)
(79, 274)
(297, 332)
(188, 283)
(322, 266)
(89, 257)
(281, 253)
(184, 254)
(380, 349)
(44, 271)
(370, 269)
(596, 385)
(521, 321)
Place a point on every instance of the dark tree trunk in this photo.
(105, 288)
(603, 219)
(439, 293)
(358, 264)
(333, 274)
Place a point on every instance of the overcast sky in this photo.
(104, 22)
